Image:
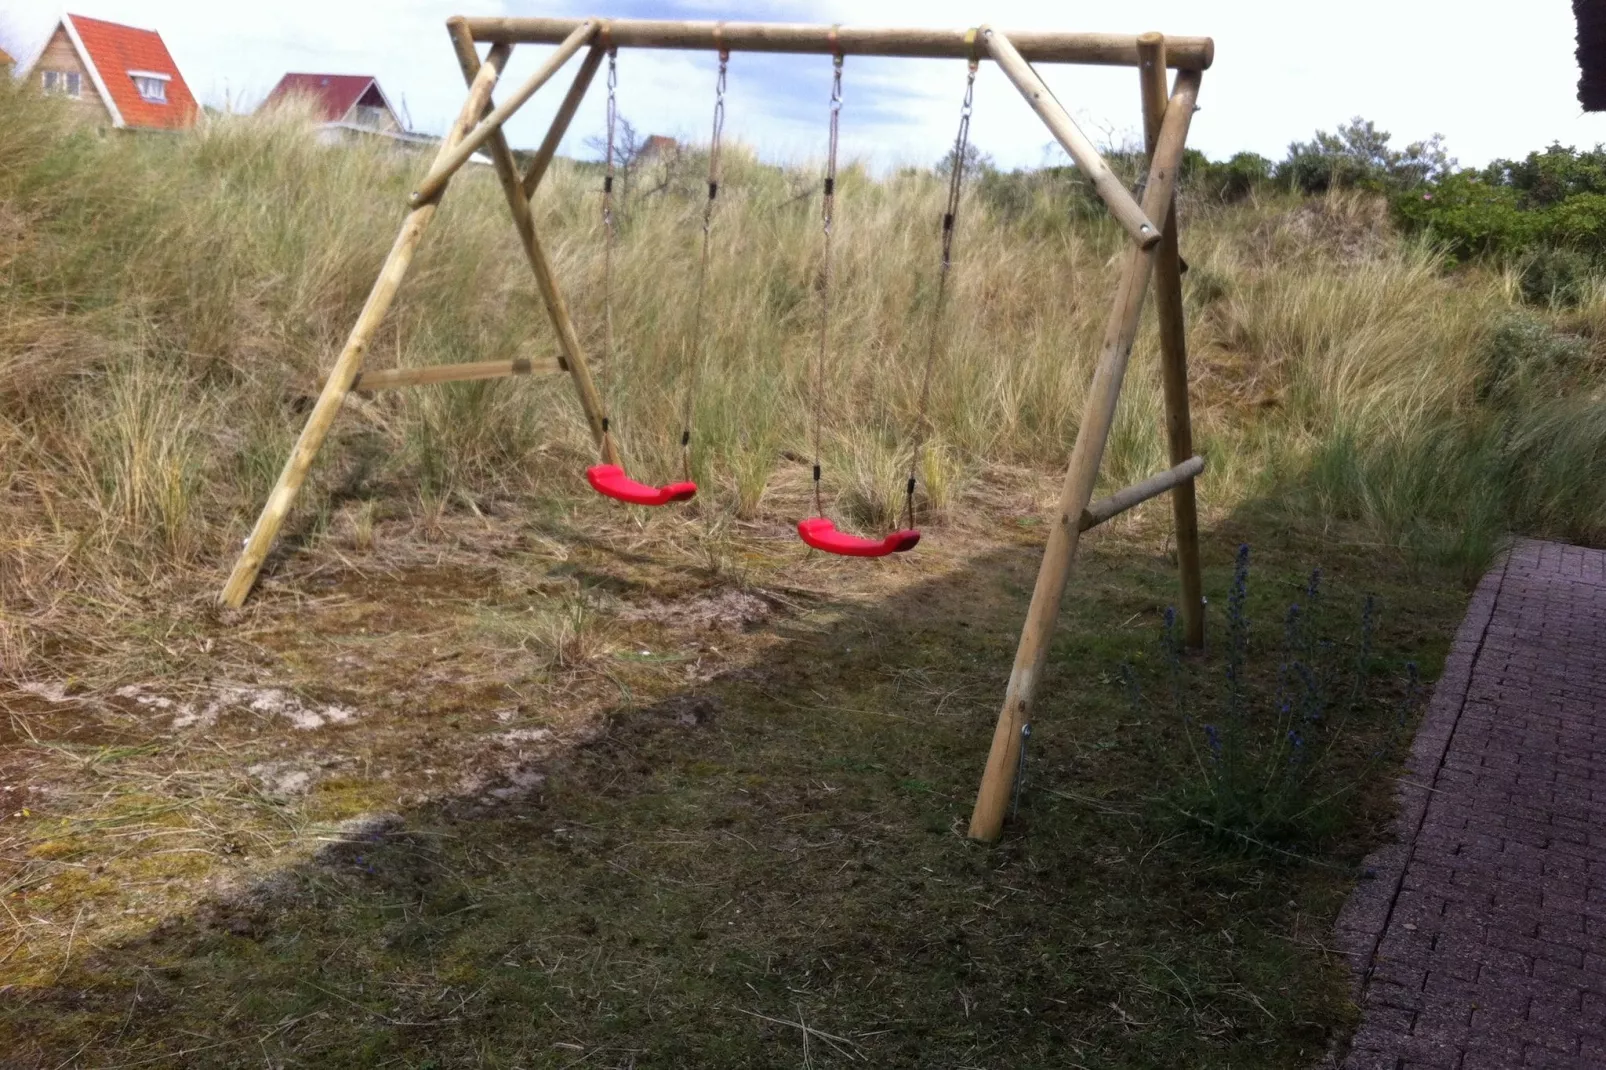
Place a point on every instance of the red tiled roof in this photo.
(114, 50)
(335, 93)
(5, 57)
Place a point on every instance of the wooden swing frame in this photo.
(1152, 256)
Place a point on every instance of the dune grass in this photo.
(167, 304)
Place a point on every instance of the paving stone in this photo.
(1480, 942)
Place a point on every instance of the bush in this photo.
(1227, 181)
(1559, 276)
(1358, 155)
(1523, 356)
(1545, 215)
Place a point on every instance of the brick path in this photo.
(1481, 940)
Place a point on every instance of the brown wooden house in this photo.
(115, 75)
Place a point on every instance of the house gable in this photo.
(61, 69)
(131, 72)
(346, 99)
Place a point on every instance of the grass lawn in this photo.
(567, 802)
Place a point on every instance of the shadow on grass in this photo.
(771, 870)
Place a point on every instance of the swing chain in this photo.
(608, 228)
(828, 205)
(956, 178)
(694, 351)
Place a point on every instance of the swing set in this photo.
(1151, 256)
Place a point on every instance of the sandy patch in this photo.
(270, 701)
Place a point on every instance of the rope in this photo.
(950, 216)
(694, 351)
(607, 253)
(828, 206)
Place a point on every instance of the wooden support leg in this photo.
(507, 171)
(560, 122)
(1173, 354)
(992, 800)
(349, 362)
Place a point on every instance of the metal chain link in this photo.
(828, 206)
(607, 252)
(694, 351)
(956, 177)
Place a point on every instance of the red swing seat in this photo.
(822, 534)
(610, 480)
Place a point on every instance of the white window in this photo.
(152, 85)
(66, 83)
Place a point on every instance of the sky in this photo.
(1492, 84)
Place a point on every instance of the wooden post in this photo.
(560, 124)
(1173, 354)
(1105, 49)
(1126, 211)
(491, 126)
(507, 171)
(992, 800)
(349, 363)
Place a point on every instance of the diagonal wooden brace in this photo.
(1126, 211)
(1098, 414)
(507, 172)
(491, 126)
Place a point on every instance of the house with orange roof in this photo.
(116, 75)
(5, 61)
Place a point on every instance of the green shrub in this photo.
(1235, 179)
(1556, 275)
(1524, 354)
(1546, 215)
(1358, 155)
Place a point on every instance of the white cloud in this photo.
(1493, 85)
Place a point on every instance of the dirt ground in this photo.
(515, 794)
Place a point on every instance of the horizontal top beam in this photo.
(1107, 49)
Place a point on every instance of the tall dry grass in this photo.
(166, 306)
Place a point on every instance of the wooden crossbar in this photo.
(1138, 493)
(1102, 49)
(467, 372)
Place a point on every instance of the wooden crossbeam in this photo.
(466, 372)
(1098, 415)
(491, 125)
(1138, 493)
(1099, 49)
